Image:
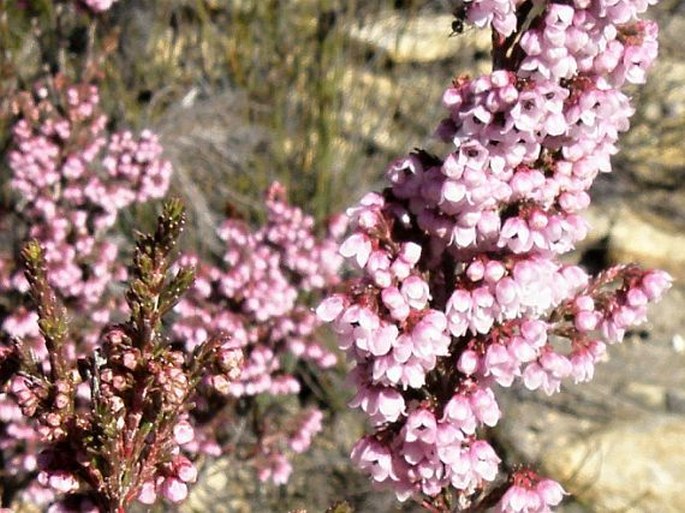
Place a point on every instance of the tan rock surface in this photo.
(638, 236)
(634, 467)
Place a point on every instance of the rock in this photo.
(651, 396)
(675, 400)
(419, 39)
(631, 467)
(221, 488)
(648, 240)
(652, 151)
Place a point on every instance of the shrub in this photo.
(462, 286)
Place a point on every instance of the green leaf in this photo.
(176, 288)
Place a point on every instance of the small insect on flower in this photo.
(459, 12)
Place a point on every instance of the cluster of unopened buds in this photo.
(462, 285)
(114, 424)
(256, 295)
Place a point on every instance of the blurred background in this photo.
(323, 94)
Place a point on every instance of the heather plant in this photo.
(112, 423)
(261, 293)
(70, 178)
(462, 287)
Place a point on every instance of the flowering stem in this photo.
(53, 322)
(462, 286)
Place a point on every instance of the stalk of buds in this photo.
(113, 423)
(462, 285)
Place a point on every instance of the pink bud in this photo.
(476, 271)
(183, 432)
(415, 292)
(186, 471)
(357, 245)
(391, 404)
(410, 252)
(584, 303)
(469, 362)
(494, 271)
(392, 298)
(506, 291)
(147, 494)
(586, 321)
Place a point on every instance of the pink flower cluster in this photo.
(462, 286)
(530, 494)
(256, 296)
(271, 461)
(70, 178)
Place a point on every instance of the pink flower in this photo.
(484, 460)
(520, 500)
(381, 340)
(459, 312)
(469, 362)
(460, 411)
(330, 308)
(501, 364)
(357, 245)
(655, 283)
(185, 470)
(415, 292)
(485, 406)
(373, 457)
(550, 492)
(394, 300)
(530, 494)
(421, 425)
(174, 490)
(98, 6)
